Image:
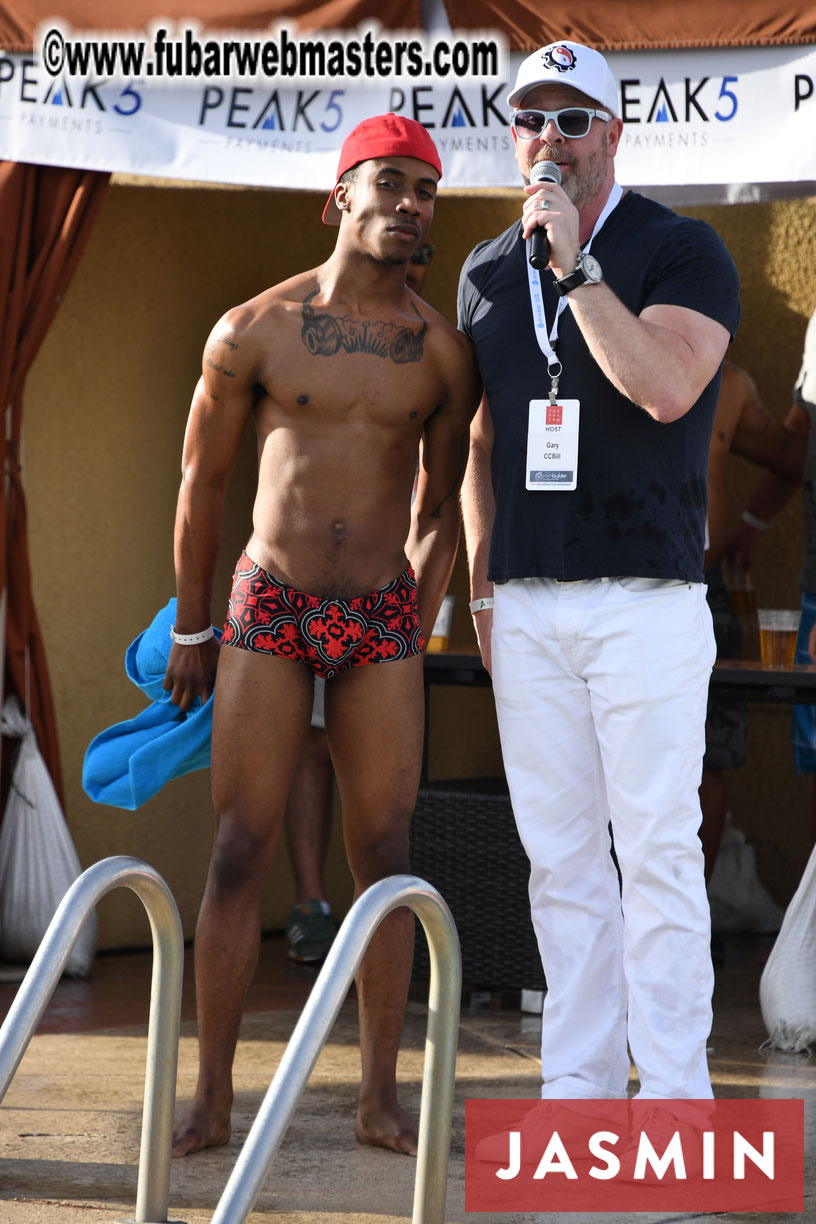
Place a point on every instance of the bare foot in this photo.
(197, 1130)
(388, 1127)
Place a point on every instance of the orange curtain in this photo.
(45, 217)
(634, 25)
(627, 25)
(19, 18)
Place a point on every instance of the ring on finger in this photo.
(543, 205)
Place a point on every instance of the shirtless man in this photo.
(346, 372)
(742, 426)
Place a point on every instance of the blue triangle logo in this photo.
(662, 115)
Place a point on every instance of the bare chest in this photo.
(371, 369)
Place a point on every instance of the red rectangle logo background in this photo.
(556, 1191)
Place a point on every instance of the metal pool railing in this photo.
(310, 1034)
(44, 973)
(313, 1028)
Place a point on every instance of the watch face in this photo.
(591, 268)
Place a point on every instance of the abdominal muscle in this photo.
(332, 529)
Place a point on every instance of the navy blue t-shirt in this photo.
(640, 503)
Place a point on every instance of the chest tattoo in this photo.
(324, 335)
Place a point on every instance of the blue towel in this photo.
(131, 761)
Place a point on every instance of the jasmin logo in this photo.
(561, 58)
(641, 1155)
(646, 1157)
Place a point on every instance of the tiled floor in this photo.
(117, 993)
(498, 1056)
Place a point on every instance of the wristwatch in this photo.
(587, 271)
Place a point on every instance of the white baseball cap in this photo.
(567, 63)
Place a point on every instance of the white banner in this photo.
(692, 118)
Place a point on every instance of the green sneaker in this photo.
(310, 932)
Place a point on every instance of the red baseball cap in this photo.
(382, 136)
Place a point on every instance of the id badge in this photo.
(552, 446)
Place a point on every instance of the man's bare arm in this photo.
(773, 490)
(478, 512)
(743, 426)
(779, 446)
(435, 519)
(221, 402)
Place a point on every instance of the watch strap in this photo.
(577, 277)
(571, 281)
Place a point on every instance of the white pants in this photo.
(601, 691)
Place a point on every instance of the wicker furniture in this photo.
(464, 842)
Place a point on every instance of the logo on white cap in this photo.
(560, 57)
(567, 63)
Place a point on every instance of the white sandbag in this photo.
(739, 900)
(787, 988)
(38, 862)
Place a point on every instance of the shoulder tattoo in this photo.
(324, 335)
(219, 369)
(214, 358)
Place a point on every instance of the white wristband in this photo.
(191, 639)
(481, 605)
(758, 524)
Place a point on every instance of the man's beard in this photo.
(583, 182)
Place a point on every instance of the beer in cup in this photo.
(777, 636)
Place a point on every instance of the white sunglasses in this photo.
(572, 121)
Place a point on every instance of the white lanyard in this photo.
(545, 341)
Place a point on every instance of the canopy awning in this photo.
(633, 25)
(629, 25)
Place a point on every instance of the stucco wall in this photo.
(106, 404)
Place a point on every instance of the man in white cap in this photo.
(344, 372)
(584, 507)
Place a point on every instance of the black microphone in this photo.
(543, 172)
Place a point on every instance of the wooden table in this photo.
(731, 680)
(748, 680)
(742, 680)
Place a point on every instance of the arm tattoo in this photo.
(219, 369)
(214, 365)
(231, 344)
(324, 335)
